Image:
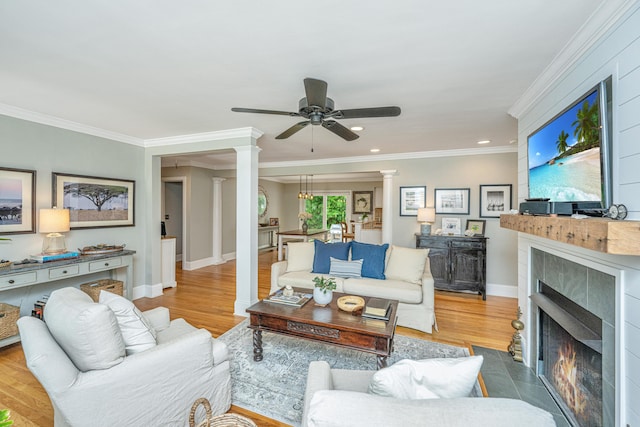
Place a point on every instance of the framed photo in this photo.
(451, 226)
(411, 199)
(452, 201)
(476, 226)
(274, 221)
(362, 202)
(93, 201)
(494, 200)
(17, 201)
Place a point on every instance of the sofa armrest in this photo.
(277, 270)
(158, 317)
(318, 378)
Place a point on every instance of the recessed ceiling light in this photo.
(375, 150)
(357, 128)
(485, 141)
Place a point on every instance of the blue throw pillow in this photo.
(324, 252)
(373, 257)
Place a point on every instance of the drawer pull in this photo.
(106, 264)
(12, 281)
(64, 271)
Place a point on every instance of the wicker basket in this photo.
(94, 288)
(224, 420)
(9, 315)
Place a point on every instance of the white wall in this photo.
(617, 53)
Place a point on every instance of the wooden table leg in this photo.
(382, 361)
(257, 345)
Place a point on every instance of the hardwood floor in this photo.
(205, 298)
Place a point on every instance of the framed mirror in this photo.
(263, 202)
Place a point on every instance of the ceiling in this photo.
(148, 69)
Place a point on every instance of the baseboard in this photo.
(502, 290)
(205, 262)
(147, 291)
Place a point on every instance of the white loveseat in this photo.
(340, 398)
(95, 377)
(408, 280)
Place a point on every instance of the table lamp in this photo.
(54, 222)
(426, 216)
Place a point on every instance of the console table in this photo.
(458, 263)
(300, 235)
(118, 264)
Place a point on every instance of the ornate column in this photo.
(217, 221)
(387, 217)
(246, 228)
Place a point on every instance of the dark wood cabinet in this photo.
(457, 263)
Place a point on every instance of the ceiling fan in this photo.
(317, 108)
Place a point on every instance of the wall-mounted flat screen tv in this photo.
(569, 156)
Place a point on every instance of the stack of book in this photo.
(55, 257)
(38, 307)
(377, 308)
(298, 299)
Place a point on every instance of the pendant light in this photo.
(306, 186)
(300, 193)
(311, 192)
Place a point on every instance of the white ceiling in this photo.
(157, 68)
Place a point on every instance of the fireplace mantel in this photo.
(598, 234)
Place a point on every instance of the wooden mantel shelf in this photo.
(598, 234)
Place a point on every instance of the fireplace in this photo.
(570, 356)
(574, 336)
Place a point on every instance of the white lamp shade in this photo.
(426, 215)
(54, 220)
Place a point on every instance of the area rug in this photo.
(275, 386)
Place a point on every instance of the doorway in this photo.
(174, 212)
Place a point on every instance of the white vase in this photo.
(322, 298)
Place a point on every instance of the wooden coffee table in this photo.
(326, 324)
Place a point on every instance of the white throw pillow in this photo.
(137, 332)
(428, 378)
(88, 332)
(406, 264)
(300, 256)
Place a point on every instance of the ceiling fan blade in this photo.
(316, 91)
(339, 130)
(358, 113)
(254, 110)
(293, 129)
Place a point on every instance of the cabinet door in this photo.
(439, 261)
(465, 270)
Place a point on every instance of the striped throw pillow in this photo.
(345, 269)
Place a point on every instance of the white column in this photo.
(387, 217)
(217, 221)
(246, 228)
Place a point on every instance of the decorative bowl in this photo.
(350, 303)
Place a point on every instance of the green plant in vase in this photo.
(323, 289)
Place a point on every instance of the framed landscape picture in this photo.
(93, 201)
(476, 226)
(412, 199)
(17, 201)
(494, 200)
(451, 227)
(452, 200)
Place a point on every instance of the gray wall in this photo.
(46, 149)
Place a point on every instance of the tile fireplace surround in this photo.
(605, 285)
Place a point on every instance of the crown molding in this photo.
(606, 16)
(388, 157)
(248, 132)
(45, 119)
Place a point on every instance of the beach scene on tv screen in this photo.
(564, 155)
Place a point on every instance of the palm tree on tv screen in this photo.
(586, 126)
(561, 143)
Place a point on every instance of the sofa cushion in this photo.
(324, 252)
(427, 379)
(136, 330)
(304, 279)
(346, 269)
(406, 264)
(373, 257)
(402, 291)
(300, 256)
(87, 331)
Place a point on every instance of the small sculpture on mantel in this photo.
(515, 346)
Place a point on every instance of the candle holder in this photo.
(515, 346)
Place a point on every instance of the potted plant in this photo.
(323, 289)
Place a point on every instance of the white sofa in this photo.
(93, 379)
(410, 284)
(339, 398)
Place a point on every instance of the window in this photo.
(327, 209)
